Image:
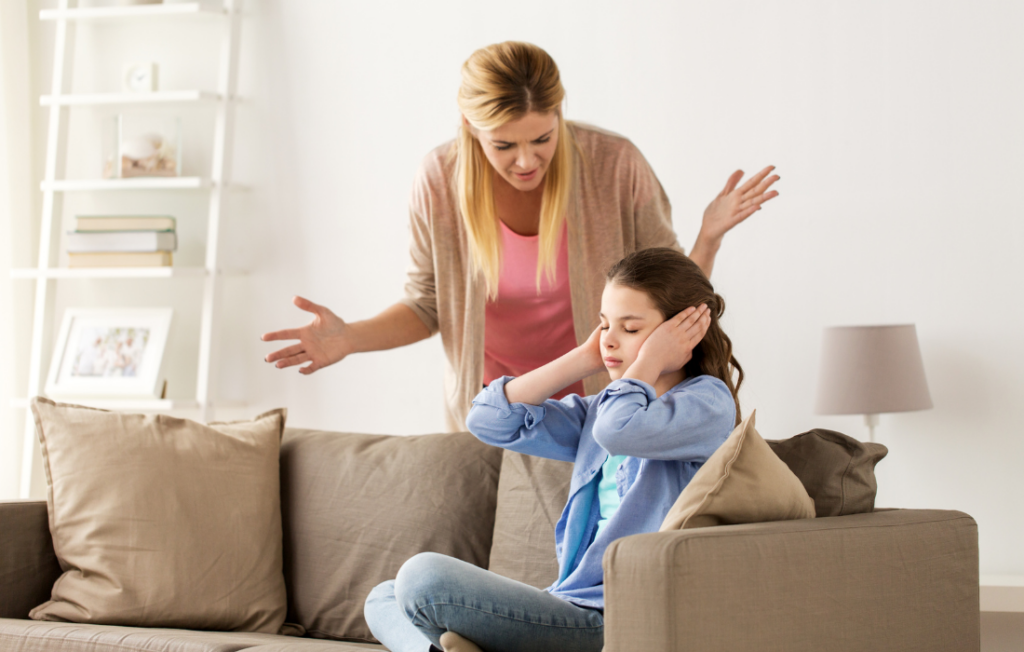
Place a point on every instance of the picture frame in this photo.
(109, 352)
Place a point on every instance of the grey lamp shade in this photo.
(871, 370)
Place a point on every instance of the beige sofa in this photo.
(356, 506)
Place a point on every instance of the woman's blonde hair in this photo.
(501, 83)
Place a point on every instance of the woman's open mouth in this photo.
(526, 176)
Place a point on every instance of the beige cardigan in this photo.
(618, 207)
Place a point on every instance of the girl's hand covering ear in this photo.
(671, 344)
(590, 353)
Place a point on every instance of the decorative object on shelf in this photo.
(146, 144)
(124, 223)
(109, 352)
(870, 370)
(140, 77)
(122, 241)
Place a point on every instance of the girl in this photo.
(635, 446)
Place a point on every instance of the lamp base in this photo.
(871, 421)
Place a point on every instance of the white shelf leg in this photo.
(56, 140)
(220, 174)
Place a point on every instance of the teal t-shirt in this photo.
(607, 490)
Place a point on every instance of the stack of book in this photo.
(121, 241)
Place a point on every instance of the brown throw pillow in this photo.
(163, 522)
(838, 471)
(356, 507)
(742, 482)
(532, 492)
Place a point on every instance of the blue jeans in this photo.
(435, 593)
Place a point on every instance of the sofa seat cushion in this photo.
(36, 636)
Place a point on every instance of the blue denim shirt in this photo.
(667, 439)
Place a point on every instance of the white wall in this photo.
(895, 127)
(16, 202)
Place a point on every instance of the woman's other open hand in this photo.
(322, 342)
(733, 205)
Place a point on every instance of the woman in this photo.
(513, 225)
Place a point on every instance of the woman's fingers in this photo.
(753, 181)
(730, 183)
(308, 369)
(285, 352)
(286, 334)
(764, 185)
(307, 305)
(293, 360)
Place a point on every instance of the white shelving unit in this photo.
(127, 99)
(47, 273)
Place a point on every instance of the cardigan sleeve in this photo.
(652, 211)
(421, 283)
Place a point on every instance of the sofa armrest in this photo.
(28, 565)
(890, 580)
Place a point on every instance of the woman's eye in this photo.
(604, 328)
(541, 141)
(502, 148)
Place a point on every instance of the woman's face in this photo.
(521, 150)
(628, 317)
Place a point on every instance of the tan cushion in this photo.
(356, 507)
(742, 482)
(163, 522)
(531, 495)
(34, 636)
(838, 471)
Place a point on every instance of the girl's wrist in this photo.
(643, 369)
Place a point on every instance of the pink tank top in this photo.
(524, 330)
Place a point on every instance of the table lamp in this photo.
(869, 370)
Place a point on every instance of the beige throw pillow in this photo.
(163, 522)
(742, 482)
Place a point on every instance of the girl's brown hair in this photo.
(675, 283)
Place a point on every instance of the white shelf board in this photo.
(1002, 593)
(118, 99)
(108, 272)
(134, 183)
(134, 405)
(207, 9)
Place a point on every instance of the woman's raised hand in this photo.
(322, 342)
(733, 205)
(671, 344)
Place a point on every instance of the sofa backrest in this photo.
(356, 507)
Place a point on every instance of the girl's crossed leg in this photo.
(434, 593)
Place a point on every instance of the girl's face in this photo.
(521, 150)
(628, 317)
